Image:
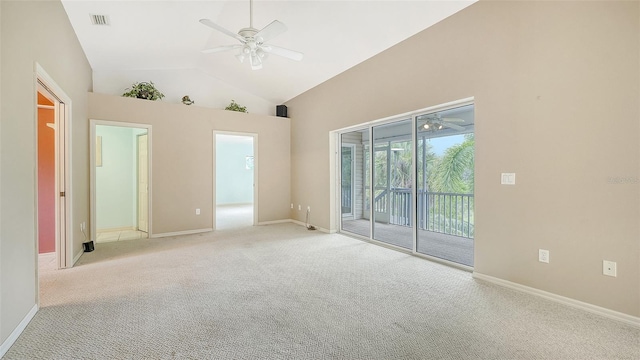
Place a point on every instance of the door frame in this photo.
(256, 173)
(92, 168)
(63, 213)
(138, 167)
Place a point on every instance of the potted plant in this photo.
(143, 90)
(233, 106)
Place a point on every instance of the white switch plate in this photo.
(292, 205)
(299, 207)
(609, 268)
(508, 179)
(308, 208)
(197, 211)
(543, 255)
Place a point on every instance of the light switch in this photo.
(508, 179)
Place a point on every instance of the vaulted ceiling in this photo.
(167, 36)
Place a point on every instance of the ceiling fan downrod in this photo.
(251, 14)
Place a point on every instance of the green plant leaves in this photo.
(233, 106)
(143, 90)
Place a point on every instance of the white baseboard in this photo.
(77, 257)
(177, 233)
(297, 222)
(18, 330)
(273, 222)
(594, 309)
(321, 229)
(123, 228)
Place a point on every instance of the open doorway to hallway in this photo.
(121, 182)
(52, 221)
(235, 164)
(47, 259)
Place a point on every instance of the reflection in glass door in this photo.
(392, 177)
(347, 183)
(354, 193)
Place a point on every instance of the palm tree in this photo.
(454, 170)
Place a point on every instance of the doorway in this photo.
(234, 188)
(120, 181)
(52, 221)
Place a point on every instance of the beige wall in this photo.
(182, 158)
(556, 87)
(34, 31)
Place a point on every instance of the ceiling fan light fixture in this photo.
(253, 41)
(256, 63)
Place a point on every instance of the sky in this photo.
(441, 144)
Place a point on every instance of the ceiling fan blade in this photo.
(289, 54)
(270, 31)
(220, 48)
(453, 120)
(215, 26)
(452, 126)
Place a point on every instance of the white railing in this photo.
(446, 213)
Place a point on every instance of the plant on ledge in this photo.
(143, 90)
(235, 107)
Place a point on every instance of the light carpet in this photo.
(283, 292)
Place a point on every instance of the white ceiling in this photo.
(166, 35)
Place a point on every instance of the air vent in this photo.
(100, 19)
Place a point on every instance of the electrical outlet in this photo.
(292, 205)
(609, 268)
(83, 225)
(543, 255)
(197, 211)
(299, 207)
(308, 208)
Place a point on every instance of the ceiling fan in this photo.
(253, 41)
(439, 123)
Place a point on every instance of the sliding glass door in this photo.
(414, 177)
(445, 183)
(392, 164)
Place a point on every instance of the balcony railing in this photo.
(446, 213)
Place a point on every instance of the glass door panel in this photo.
(392, 163)
(444, 176)
(354, 192)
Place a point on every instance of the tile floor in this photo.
(120, 235)
(234, 216)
